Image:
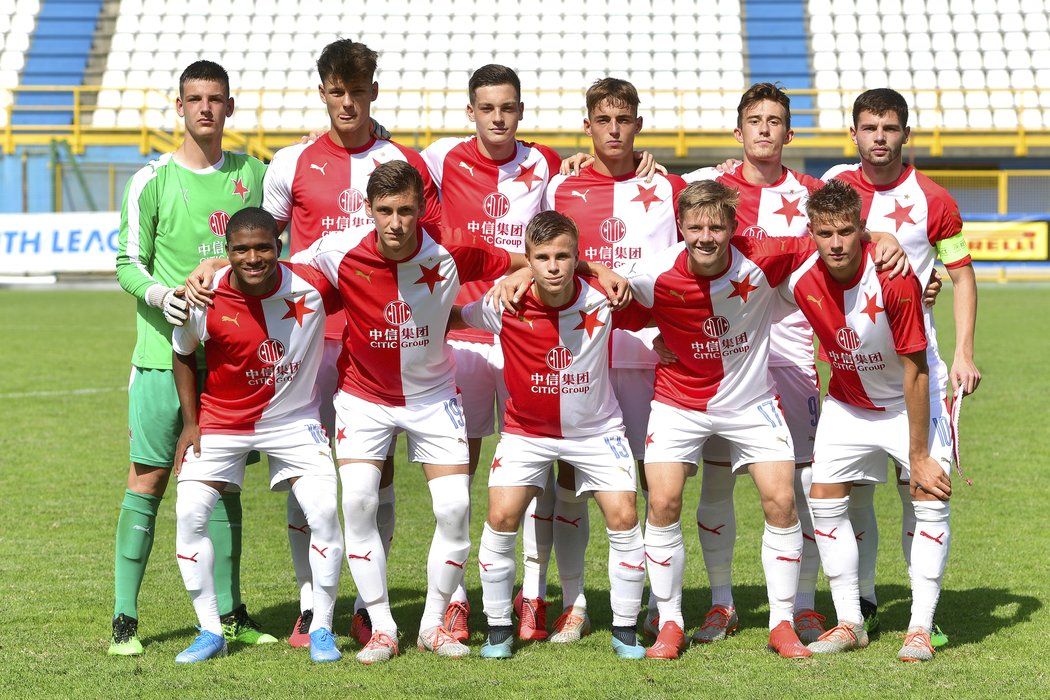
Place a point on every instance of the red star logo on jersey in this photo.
(789, 209)
(871, 308)
(901, 215)
(589, 322)
(340, 435)
(298, 310)
(430, 276)
(240, 190)
(742, 289)
(649, 439)
(529, 176)
(495, 464)
(646, 195)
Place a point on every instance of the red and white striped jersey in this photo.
(556, 362)
(717, 326)
(492, 199)
(262, 353)
(320, 188)
(622, 221)
(863, 327)
(774, 210)
(397, 311)
(920, 213)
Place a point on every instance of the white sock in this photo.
(626, 575)
(317, 497)
(781, 559)
(651, 605)
(496, 562)
(908, 526)
(716, 523)
(194, 503)
(838, 554)
(866, 531)
(299, 545)
(929, 556)
(364, 548)
(450, 548)
(665, 559)
(460, 594)
(571, 532)
(385, 521)
(537, 534)
(805, 598)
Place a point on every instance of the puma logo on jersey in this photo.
(232, 319)
(467, 167)
(581, 195)
(680, 295)
(367, 276)
(819, 302)
(906, 300)
(315, 166)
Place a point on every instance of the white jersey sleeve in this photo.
(277, 183)
(434, 156)
(480, 314)
(836, 170)
(701, 174)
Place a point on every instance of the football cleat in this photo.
(843, 637)
(571, 626)
(301, 632)
(322, 647)
(917, 646)
(456, 615)
(938, 638)
(628, 651)
(532, 618)
(381, 647)
(670, 643)
(651, 626)
(361, 627)
(810, 625)
(870, 612)
(784, 641)
(238, 626)
(497, 650)
(719, 623)
(207, 645)
(440, 641)
(125, 640)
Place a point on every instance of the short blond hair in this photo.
(710, 197)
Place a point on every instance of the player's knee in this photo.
(359, 508)
(664, 509)
(780, 509)
(503, 521)
(148, 480)
(453, 510)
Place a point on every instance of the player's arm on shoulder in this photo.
(615, 285)
(198, 289)
(889, 255)
(507, 292)
(927, 479)
(184, 368)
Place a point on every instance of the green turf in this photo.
(63, 460)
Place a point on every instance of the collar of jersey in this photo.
(905, 174)
(335, 147)
(485, 159)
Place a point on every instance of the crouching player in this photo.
(263, 341)
(561, 407)
(878, 404)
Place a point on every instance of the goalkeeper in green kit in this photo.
(174, 216)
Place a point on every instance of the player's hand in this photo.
(889, 255)
(312, 136)
(927, 477)
(176, 310)
(575, 163)
(190, 437)
(729, 165)
(666, 356)
(647, 166)
(506, 294)
(965, 375)
(198, 285)
(379, 131)
(933, 288)
(615, 286)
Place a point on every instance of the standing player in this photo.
(319, 188)
(878, 404)
(772, 203)
(263, 340)
(924, 216)
(173, 216)
(561, 406)
(622, 220)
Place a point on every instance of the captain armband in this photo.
(952, 250)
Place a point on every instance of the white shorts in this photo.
(757, 433)
(633, 389)
(602, 462)
(436, 431)
(479, 376)
(299, 449)
(798, 389)
(328, 383)
(853, 443)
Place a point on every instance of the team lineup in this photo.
(643, 328)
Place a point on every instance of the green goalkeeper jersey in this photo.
(173, 218)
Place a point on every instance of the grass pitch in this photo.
(63, 461)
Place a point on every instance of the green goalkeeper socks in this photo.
(135, 526)
(224, 528)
